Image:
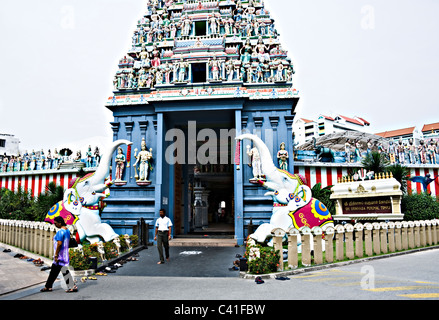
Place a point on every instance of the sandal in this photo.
(46, 289)
(74, 289)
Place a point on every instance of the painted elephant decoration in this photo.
(80, 205)
(293, 204)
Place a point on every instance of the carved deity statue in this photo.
(282, 156)
(120, 164)
(256, 164)
(143, 159)
(215, 68)
(401, 154)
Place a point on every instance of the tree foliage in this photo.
(22, 205)
(420, 207)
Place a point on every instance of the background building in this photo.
(9, 145)
(305, 129)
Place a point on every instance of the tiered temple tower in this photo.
(206, 69)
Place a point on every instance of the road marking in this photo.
(401, 288)
(420, 295)
(330, 279)
(355, 284)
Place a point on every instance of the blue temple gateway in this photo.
(197, 74)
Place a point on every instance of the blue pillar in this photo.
(159, 159)
(239, 190)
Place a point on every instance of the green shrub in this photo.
(420, 207)
(267, 262)
(78, 260)
(110, 250)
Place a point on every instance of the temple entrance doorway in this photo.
(203, 189)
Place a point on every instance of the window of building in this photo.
(200, 28)
(199, 72)
(2, 143)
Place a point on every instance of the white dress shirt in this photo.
(163, 223)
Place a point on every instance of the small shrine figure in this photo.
(392, 152)
(369, 146)
(261, 48)
(120, 164)
(401, 154)
(78, 156)
(97, 156)
(422, 152)
(282, 156)
(48, 160)
(101, 251)
(181, 70)
(155, 57)
(56, 159)
(213, 24)
(256, 164)
(89, 157)
(432, 151)
(128, 242)
(358, 151)
(348, 151)
(143, 159)
(116, 241)
(186, 25)
(280, 72)
(246, 51)
(215, 68)
(229, 70)
(167, 69)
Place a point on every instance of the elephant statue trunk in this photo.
(293, 205)
(81, 201)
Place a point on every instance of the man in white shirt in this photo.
(163, 235)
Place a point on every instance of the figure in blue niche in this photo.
(425, 181)
(282, 157)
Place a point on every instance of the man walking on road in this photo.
(163, 235)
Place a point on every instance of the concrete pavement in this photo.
(20, 278)
(196, 273)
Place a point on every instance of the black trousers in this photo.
(163, 241)
(54, 272)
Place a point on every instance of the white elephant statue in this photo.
(81, 201)
(293, 204)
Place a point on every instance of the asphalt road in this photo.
(203, 274)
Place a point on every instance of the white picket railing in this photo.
(353, 241)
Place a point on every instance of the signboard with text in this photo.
(367, 205)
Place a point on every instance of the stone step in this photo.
(202, 242)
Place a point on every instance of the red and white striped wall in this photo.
(326, 175)
(329, 175)
(36, 183)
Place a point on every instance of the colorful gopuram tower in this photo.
(199, 70)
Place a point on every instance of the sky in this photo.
(376, 59)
